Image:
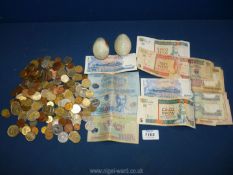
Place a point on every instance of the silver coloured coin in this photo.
(63, 137)
(57, 129)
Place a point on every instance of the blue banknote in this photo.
(166, 88)
(117, 93)
(113, 64)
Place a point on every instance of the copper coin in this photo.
(20, 123)
(77, 126)
(62, 121)
(68, 127)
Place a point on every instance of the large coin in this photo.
(13, 131)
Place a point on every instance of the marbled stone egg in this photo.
(100, 48)
(122, 45)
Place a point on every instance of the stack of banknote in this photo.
(172, 100)
(117, 90)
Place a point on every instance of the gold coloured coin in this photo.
(33, 115)
(79, 100)
(43, 129)
(68, 106)
(74, 136)
(13, 131)
(26, 129)
(5, 113)
(30, 136)
(77, 77)
(86, 102)
(86, 83)
(89, 93)
(78, 69)
(35, 130)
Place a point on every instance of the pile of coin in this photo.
(54, 92)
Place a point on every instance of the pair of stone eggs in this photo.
(122, 46)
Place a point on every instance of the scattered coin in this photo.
(5, 113)
(13, 131)
(55, 92)
(86, 83)
(26, 129)
(86, 102)
(30, 136)
(74, 136)
(62, 137)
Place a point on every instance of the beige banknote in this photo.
(212, 109)
(115, 128)
(164, 47)
(201, 68)
(166, 66)
(215, 83)
(165, 112)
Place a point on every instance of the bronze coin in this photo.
(68, 127)
(20, 123)
(62, 121)
(77, 126)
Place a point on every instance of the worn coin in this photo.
(86, 83)
(76, 109)
(13, 130)
(30, 136)
(26, 129)
(74, 136)
(5, 113)
(57, 128)
(62, 137)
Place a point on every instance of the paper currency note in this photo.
(113, 64)
(166, 88)
(164, 47)
(118, 104)
(121, 129)
(165, 112)
(213, 84)
(201, 68)
(212, 109)
(166, 66)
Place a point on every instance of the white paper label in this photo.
(150, 134)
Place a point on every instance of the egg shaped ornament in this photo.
(100, 48)
(122, 45)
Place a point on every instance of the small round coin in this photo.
(86, 102)
(86, 83)
(13, 131)
(89, 93)
(74, 136)
(26, 129)
(57, 129)
(79, 69)
(65, 78)
(76, 109)
(5, 113)
(30, 136)
(62, 137)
